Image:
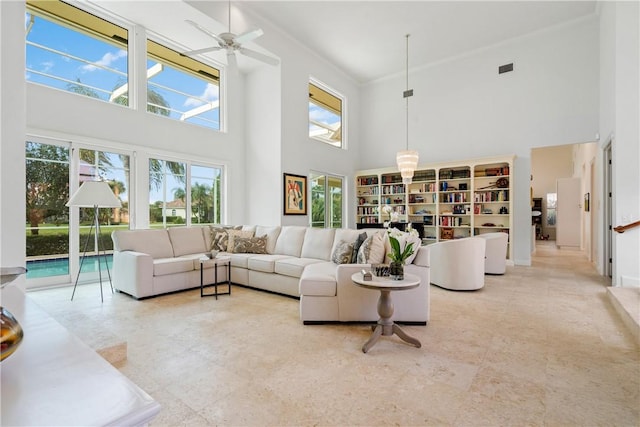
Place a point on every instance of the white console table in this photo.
(53, 378)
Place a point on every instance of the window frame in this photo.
(189, 164)
(328, 213)
(162, 50)
(326, 91)
(72, 16)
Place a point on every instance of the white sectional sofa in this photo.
(297, 263)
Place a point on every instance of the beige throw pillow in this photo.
(233, 234)
(342, 253)
(251, 245)
(220, 237)
(372, 250)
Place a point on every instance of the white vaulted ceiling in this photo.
(365, 39)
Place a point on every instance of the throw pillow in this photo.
(250, 245)
(220, 237)
(356, 247)
(343, 253)
(233, 234)
(372, 250)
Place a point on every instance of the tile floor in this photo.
(541, 345)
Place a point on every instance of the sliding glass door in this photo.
(326, 200)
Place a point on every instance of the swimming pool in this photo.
(60, 266)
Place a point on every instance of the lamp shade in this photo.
(407, 163)
(94, 193)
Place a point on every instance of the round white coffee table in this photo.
(386, 326)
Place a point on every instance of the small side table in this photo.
(218, 261)
(386, 326)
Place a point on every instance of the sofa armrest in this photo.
(133, 273)
(422, 257)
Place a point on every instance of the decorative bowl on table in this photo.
(10, 330)
(380, 270)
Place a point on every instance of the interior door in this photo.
(569, 213)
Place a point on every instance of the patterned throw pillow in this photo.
(342, 253)
(234, 234)
(356, 247)
(220, 237)
(372, 250)
(250, 245)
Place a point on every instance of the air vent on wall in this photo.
(505, 68)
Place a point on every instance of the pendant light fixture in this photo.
(407, 159)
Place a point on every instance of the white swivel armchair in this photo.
(496, 252)
(458, 264)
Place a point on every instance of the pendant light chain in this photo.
(407, 160)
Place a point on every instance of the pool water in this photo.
(60, 266)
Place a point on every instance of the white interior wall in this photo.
(12, 128)
(463, 109)
(263, 140)
(619, 112)
(299, 153)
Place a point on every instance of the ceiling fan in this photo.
(232, 43)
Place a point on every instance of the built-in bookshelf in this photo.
(450, 200)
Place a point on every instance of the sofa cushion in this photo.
(293, 267)
(252, 245)
(290, 240)
(319, 280)
(164, 266)
(343, 253)
(372, 250)
(344, 235)
(155, 243)
(187, 240)
(237, 233)
(318, 243)
(264, 263)
(272, 234)
(240, 260)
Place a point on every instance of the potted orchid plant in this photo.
(401, 250)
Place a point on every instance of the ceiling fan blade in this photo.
(248, 36)
(231, 59)
(204, 30)
(259, 56)
(203, 50)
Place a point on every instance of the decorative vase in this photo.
(11, 333)
(396, 270)
(10, 330)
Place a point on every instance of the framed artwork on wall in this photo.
(295, 194)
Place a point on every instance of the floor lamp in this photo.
(96, 195)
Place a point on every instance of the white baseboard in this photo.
(629, 282)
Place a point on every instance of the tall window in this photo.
(205, 195)
(325, 114)
(73, 50)
(182, 88)
(326, 201)
(183, 193)
(47, 192)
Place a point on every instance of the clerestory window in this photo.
(182, 88)
(325, 114)
(70, 49)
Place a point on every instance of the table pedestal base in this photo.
(385, 326)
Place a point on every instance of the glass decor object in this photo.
(11, 333)
(396, 270)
